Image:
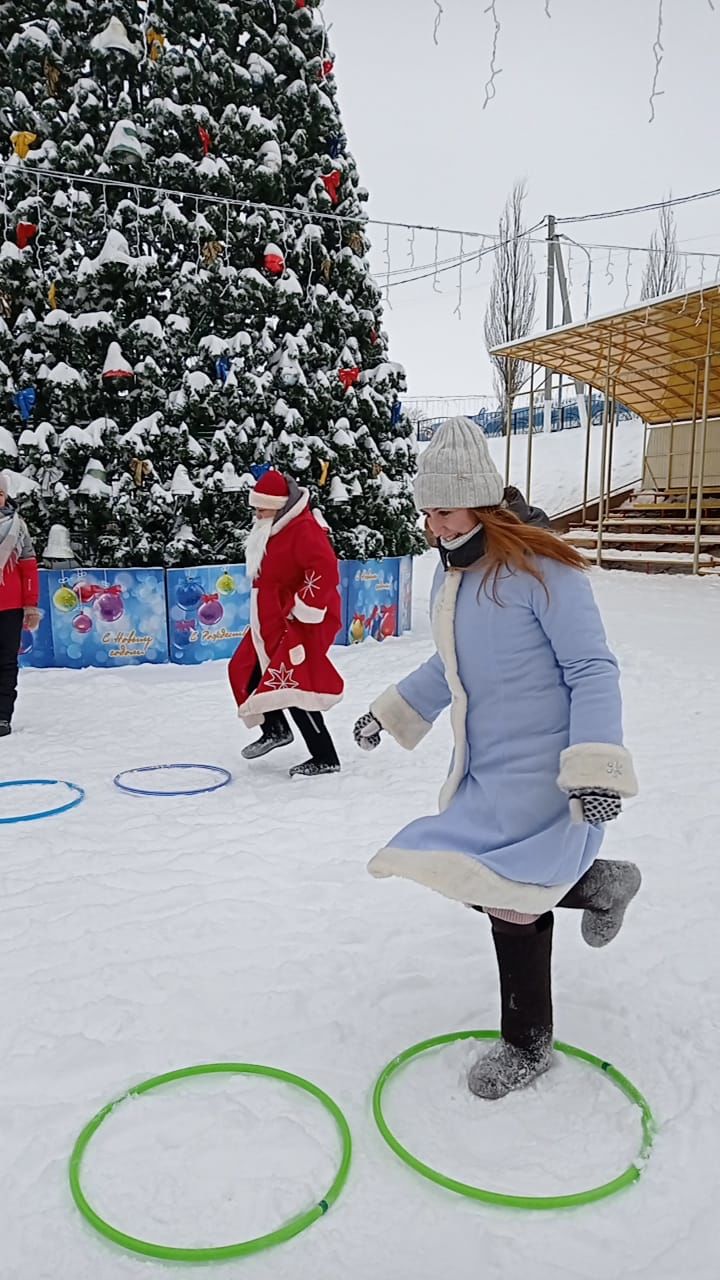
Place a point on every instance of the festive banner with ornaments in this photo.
(372, 599)
(208, 612)
(121, 617)
(107, 617)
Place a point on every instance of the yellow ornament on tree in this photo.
(155, 43)
(52, 295)
(324, 471)
(22, 141)
(212, 251)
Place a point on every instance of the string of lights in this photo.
(658, 50)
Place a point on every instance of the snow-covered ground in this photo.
(140, 935)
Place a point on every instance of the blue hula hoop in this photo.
(224, 775)
(77, 799)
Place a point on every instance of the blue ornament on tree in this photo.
(222, 368)
(24, 402)
(259, 469)
(335, 146)
(396, 413)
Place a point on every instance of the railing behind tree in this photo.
(565, 415)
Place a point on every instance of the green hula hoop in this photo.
(630, 1175)
(220, 1252)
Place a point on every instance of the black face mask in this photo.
(466, 555)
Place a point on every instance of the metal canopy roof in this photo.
(655, 351)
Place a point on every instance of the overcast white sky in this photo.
(570, 116)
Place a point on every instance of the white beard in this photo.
(256, 546)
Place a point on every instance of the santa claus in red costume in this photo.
(282, 662)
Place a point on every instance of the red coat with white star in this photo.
(295, 616)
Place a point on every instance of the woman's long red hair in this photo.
(515, 547)
(511, 545)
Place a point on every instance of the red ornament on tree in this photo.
(328, 67)
(349, 377)
(374, 336)
(332, 184)
(300, 4)
(274, 260)
(24, 233)
(205, 138)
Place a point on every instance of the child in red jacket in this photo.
(18, 597)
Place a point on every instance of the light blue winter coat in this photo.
(536, 713)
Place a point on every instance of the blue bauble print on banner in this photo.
(107, 617)
(208, 612)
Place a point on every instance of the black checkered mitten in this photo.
(595, 805)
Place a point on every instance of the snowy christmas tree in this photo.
(184, 282)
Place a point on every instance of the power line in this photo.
(449, 264)
(473, 257)
(672, 202)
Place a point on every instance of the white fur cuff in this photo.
(307, 613)
(399, 719)
(597, 764)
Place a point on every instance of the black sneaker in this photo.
(266, 744)
(313, 769)
(5, 728)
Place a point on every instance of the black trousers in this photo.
(310, 725)
(10, 632)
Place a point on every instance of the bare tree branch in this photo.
(511, 305)
(662, 269)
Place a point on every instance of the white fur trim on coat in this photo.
(260, 650)
(597, 764)
(307, 612)
(465, 879)
(297, 655)
(443, 625)
(267, 501)
(399, 719)
(253, 708)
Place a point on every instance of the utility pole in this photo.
(567, 319)
(549, 316)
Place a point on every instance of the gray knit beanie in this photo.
(456, 470)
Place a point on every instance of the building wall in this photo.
(668, 451)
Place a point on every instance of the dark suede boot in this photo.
(273, 737)
(603, 894)
(524, 1052)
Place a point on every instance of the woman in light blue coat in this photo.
(538, 765)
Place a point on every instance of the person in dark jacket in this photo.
(18, 598)
(515, 501)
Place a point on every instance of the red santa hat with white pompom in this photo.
(271, 492)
